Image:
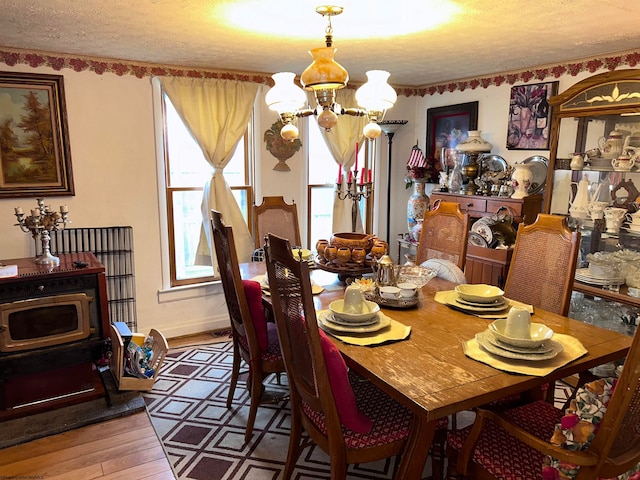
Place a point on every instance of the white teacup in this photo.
(353, 299)
(407, 289)
(518, 324)
(389, 292)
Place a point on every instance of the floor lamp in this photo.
(390, 127)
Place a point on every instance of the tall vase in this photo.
(521, 180)
(417, 205)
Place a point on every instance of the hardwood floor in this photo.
(126, 447)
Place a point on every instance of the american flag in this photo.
(417, 158)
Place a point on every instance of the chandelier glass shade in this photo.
(324, 76)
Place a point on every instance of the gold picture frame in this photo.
(35, 159)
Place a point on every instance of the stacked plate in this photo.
(478, 298)
(338, 320)
(539, 347)
(585, 276)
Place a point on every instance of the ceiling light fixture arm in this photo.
(324, 77)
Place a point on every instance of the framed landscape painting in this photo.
(446, 127)
(35, 158)
(530, 116)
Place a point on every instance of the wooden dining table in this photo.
(429, 371)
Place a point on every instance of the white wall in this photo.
(115, 169)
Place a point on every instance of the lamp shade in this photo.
(376, 95)
(285, 96)
(324, 72)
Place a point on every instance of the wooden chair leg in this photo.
(235, 373)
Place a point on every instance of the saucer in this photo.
(483, 340)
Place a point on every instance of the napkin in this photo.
(441, 297)
(396, 331)
(573, 349)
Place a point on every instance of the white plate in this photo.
(325, 317)
(583, 275)
(452, 300)
(539, 165)
(544, 348)
(484, 342)
(345, 323)
(500, 302)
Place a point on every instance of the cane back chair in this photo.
(543, 264)
(254, 339)
(318, 404)
(444, 234)
(274, 215)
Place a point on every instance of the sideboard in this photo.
(490, 265)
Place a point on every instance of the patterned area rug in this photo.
(205, 441)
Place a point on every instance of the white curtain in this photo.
(216, 112)
(341, 141)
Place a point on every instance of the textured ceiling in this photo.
(483, 37)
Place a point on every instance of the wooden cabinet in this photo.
(523, 210)
(489, 265)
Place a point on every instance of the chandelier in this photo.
(324, 77)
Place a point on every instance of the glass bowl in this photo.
(416, 274)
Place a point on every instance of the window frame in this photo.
(170, 191)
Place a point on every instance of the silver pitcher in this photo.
(385, 271)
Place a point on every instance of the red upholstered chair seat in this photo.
(391, 421)
(508, 458)
(273, 352)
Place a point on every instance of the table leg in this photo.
(417, 450)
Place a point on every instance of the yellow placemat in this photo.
(573, 349)
(442, 296)
(394, 332)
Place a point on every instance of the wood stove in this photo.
(53, 325)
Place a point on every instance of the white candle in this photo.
(64, 209)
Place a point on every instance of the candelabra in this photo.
(356, 192)
(40, 223)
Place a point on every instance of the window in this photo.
(323, 173)
(186, 172)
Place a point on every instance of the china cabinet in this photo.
(595, 141)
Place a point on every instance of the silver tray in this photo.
(402, 302)
(539, 166)
(493, 163)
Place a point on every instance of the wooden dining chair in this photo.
(347, 416)
(445, 229)
(543, 264)
(254, 339)
(274, 215)
(599, 433)
(541, 274)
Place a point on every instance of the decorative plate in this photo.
(325, 318)
(452, 301)
(477, 240)
(483, 229)
(501, 302)
(483, 340)
(494, 163)
(539, 166)
(544, 348)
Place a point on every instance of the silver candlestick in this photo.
(356, 192)
(40, 223)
